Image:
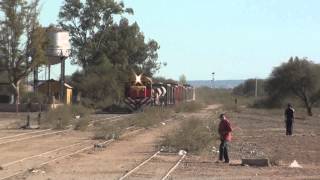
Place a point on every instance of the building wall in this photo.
(55, 91)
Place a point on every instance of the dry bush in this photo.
(193, 106)
(81, 124)
(79, 110)
(193, 136)
(111, 130)
(82, 113)
(151, 116)
(225, 97)
(58, 118)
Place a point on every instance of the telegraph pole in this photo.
(213, 80)
(256, 89)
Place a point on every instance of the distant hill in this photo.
(224, 84)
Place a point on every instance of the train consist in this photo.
(141, 92)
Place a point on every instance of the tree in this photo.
(183, 79)
(22, 40)
(96, 37)
(248, 88)
(99, 86)
(163, 80)
(108, 50)
(298, 77)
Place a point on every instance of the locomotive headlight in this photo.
(138, 79)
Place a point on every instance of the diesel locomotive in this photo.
(141, 92)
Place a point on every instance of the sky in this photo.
(235, 39)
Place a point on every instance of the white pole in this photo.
(194, 94)
(256, 89)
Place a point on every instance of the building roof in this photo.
(51, 80)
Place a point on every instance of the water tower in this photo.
(57, 52)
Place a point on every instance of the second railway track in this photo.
(15, 168)
(12, 168)
(47, 132)
(160, 165)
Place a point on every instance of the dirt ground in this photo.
(257, 134)
(261, 134)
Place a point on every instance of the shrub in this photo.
(82, 117)
(151, 116)
(188, 107)
(225, 97)
(111, 131)
(194, 136)
(82, 123)
(79, 110)
(58, 118)
(31, 97)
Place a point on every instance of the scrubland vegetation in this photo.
(64, 116)
(149, 118)
(194, 135)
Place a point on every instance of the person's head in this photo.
(289, 105)
(222, 116)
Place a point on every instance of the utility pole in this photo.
(213, 80)
(256, 89)
(62, 77)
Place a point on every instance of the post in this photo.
(213, 80)
(256, 89)
(193, 93)
(49, 86)
(62, 78)
(35, 79)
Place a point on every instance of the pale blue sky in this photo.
(236, 39)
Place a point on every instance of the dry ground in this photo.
(261, 133)
(258, 133)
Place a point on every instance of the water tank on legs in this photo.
(59, 45)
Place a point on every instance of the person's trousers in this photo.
(289, 127)
(223, 151)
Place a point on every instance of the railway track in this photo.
(12, 169)
(31, 135)
(23, 134)
(18, 167)
(15, 168)
(158, 166)
(111, 119)
(48, 132)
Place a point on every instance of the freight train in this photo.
(141, 92)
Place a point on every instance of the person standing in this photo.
(289, 118)
(225, 130)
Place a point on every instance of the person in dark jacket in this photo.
(289, 118)
(225, 130)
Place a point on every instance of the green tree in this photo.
(248, 88)
(22, 40)
(108, 50)
(85, 22)
(297, 77)
(99, 86)
(97, 38)
(183, 79)
(164, 80)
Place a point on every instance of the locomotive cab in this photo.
(138, 92)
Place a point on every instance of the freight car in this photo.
(141, 92)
